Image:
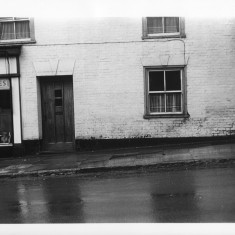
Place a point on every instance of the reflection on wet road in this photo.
(205, 195)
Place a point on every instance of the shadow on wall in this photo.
(99, 144)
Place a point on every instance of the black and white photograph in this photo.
(117, 113)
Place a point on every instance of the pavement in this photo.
(194, 154)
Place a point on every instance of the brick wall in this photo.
(108, 76)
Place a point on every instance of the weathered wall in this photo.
(108, 76)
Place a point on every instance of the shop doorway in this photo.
(5, 113)
(57, 113)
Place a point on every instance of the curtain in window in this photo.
(154, 25)
(173, 102)
(157, 103)
(171, 24)
(7, 30)
(22, 29)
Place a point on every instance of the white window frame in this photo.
(180, 34)
(183, 112)
(31, 38)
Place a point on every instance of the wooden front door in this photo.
(57, 114)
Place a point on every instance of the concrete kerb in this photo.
(104, 168)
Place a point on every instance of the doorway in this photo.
(6, 128)
(57, 113)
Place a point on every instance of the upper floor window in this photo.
(16, 29)
(155, 27)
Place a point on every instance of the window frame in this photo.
(183, 113)
(31, 39)
(180, 34)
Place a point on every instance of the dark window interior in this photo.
(58, 102)
(5, 99)
(5, 117)
(173, 81)
(156, 81)
(58, 98)
(58, 93)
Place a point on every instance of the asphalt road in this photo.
(197, 195)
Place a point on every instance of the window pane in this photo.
(171, 24)
(157, 103)
(7, 31)
(177, 104)
(58, 93)
(5, 99)
(22, 29)
(173, 102)
(173, 81)
(156, 81)
(58, 102)
(154, 25)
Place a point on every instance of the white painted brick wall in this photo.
(108, 76)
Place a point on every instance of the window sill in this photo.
(162, 36)
(150, 116)
(6, 145)
(16, 42)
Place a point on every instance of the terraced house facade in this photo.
(70, 84)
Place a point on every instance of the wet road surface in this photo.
(202, 195)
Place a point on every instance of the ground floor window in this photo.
(5, 112)
(165, 93)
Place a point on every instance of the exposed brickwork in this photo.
(108, 77)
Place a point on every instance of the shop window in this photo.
(16, 29)
(5, 112)
(165, 92)
(155, 27)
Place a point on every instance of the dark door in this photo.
(57, 114)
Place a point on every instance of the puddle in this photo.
(18, 167)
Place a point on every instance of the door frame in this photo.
(42, 79)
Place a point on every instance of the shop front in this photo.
(5, 112)
(10, 115)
